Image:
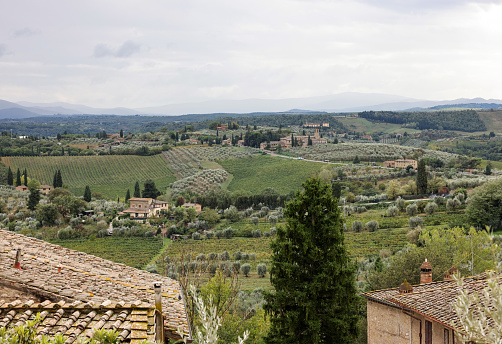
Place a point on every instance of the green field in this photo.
(359, 245)
(135, 252)
(363, 125)
(110, 175)
(254, 174)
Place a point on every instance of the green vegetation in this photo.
(254, 174)
(466, 120)
(133, 251)
(111, 175)
(311, 266)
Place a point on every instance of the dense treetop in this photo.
(466, 120)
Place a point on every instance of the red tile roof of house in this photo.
(84, 277)
(433, 300)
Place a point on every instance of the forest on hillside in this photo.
(466, 120)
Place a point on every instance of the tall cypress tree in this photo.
(18, 177)
(315, 298)
(10, 177)
(33, 198)
(60, 179)
(421, 177)
(87, 194)
(25, 174)
(137, 191)
(128, 195)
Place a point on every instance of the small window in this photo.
(446, 336)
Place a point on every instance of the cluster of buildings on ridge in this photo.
(286, 142)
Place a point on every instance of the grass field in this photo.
(363, 125)
(254, 174)
(492, 120)
(135, 252)
(110, 175)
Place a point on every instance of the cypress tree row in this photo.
(315, 298)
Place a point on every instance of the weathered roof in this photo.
(84, 277)
(133, 322)
(433, 300)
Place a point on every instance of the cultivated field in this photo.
(109, 175)
(135, 252)
(254, 174)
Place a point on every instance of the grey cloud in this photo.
(3, 50)
(127, 49)
(24, 32)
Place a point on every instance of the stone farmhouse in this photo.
(145, 207)
(76, 294)
(401, 163)
(418, 314)
(45, 189)
(286, 142)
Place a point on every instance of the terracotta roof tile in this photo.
(73, 324)
(434, 300)
(85, 280)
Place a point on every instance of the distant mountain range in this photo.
(343, 102)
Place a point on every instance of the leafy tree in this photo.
(211, 216)
(18, 177)
(150, 190)
(488, 169)
(69, 204)
(121, 133)
(356, 160)
(137, 192)
(232, 214)
(443, 249)
(337, 189)
(33, 199)
(180, 201)
(485, 206)
(87, 194)
(58, 192)
(315, 297)
(127, 196)
(245, 269)
(47, 213)
(10, 177)
(421, 177)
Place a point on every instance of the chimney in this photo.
(17, 263)
(425, 272)
(405, 288)
(159, 318)
(448, 275)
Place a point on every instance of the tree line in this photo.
(465, 120)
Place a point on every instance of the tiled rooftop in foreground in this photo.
(51, 272)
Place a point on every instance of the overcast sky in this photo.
(155, 52)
